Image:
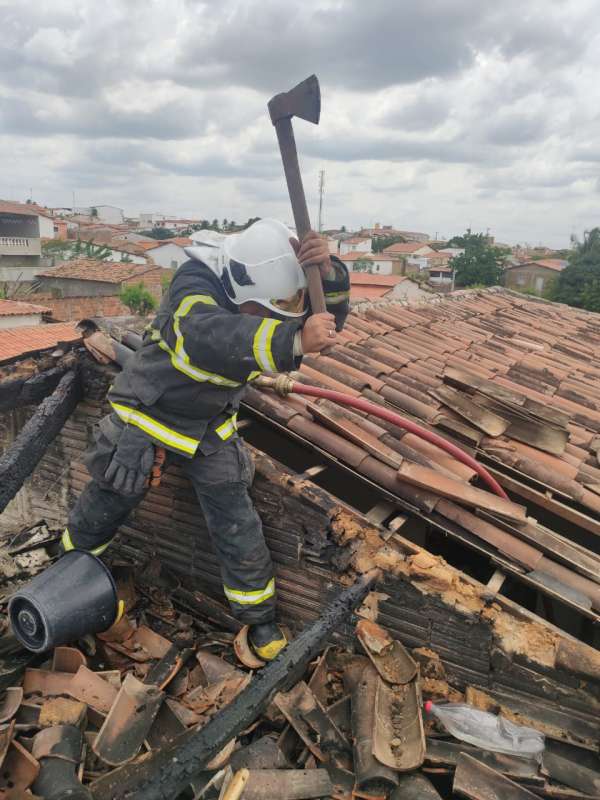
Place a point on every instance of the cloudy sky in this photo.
(436, 115)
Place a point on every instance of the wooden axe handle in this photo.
(289, 156)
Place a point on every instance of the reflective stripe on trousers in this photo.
(67, 544)
(250, 598)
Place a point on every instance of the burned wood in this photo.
(475, 781)
(27, 391)
(162, 775)
(19, 461)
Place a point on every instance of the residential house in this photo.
(20, 242)
(61, 228)
(169, 253)
(385, 231)
(405, 249)
(533, 276)
(355, 244)
(90, 288)
(441, 277)
(379, 263)
(16, 314)
(109, 214)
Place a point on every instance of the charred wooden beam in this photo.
(19, 461)
(165, 774)
(27, 391)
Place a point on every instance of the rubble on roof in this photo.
(348, 726)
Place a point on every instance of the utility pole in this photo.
(321, 191)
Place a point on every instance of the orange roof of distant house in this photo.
(16, 342)
(90, 269)
(15, 308)
(405, 247)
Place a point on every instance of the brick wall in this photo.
(72, 309)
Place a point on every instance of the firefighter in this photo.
(237, 308)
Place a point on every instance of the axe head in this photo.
(303, 101)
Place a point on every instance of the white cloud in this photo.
(435, 115)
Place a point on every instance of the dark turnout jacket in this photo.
(184, 385)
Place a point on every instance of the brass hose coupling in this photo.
(282, 384)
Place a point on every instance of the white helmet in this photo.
(258, 265)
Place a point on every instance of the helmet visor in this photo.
(295, 304)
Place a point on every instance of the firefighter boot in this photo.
(267, 640)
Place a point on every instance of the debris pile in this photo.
(82, 720)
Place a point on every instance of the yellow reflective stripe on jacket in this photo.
(262, 345)
(155, 429)
(250, 598)
(332, 298)
(228, 428)
(179, 358)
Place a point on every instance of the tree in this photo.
(363, 265)
(225, 224)
(93, 212)
(159, 233)
(579, 283)
(138, 299)
(481, 264)
(251, 221)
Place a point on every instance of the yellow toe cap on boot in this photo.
(271, 650)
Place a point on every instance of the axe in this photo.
(303, 101)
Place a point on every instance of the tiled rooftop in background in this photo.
(90, 269)
(16, 342)
(514, 380)
(13, 308)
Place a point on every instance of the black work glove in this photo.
(131, 463)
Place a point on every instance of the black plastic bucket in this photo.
(75, 596)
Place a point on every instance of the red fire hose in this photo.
(285, 385)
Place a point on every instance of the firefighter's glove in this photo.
(130, 466)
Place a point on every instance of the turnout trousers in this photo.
(221, 482)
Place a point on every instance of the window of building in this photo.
(521, 280)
